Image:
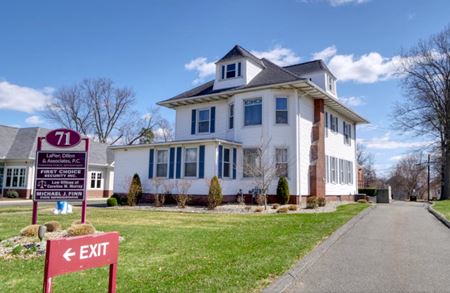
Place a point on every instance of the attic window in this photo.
(231, 70)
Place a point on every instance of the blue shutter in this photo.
(213, 120)
(223, 71)
(171, 162)
(150, 163)
(201, 162)
(220, 162)
(239, 69)
(234, 162)
(193, 122)
(178, 165)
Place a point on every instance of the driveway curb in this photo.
(289, 278)
(439, 216)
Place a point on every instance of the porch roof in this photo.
(177, 143)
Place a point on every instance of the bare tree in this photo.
(409, 177)
(260, 165)
(426, 109)
(96, 107)
(366, 161)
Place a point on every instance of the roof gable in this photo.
(239, 52)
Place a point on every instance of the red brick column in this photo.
(317, 167)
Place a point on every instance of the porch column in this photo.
(317, 166)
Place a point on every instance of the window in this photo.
(330, 83)
(203, 121)
(226, 163)
(281, 112)
(341, 171)
(15, 177)
(334, 123)
(350, 172)
(96, 179)
(333, 167)
(231, 116)
(281, 159)
(162, 157)
(253, 112)
(347, 132)
(190, 162)
(231, 70)
(252, 162)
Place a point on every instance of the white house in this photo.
(17, 159)
(294, 111)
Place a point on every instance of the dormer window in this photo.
(330, 83)
(231, 70)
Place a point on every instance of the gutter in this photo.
(175, 142)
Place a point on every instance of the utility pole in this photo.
(428, 167)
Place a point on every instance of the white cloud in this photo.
(279, 55)
(325, 54)
(23, 99)
(345, 2)
(397, 158)
(385, 142)
(203, 68)
(367, 127)
(353, 101)
(34, 120)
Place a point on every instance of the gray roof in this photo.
(238, 52)
(20, 144)
(308, 67)
(271, 74)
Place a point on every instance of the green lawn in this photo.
(443, 206)
(179, 252)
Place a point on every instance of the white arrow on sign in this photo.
(68, 254)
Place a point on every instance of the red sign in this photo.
(74, 254)
(60, 175)
(63, 138)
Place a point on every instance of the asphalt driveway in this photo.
(398, 247)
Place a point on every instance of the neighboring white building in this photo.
(17, 159)
(293, 109)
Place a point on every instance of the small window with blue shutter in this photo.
(226, 163)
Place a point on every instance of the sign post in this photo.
(61, 172)
(74, 254)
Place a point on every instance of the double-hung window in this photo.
(190, 162)
(226, 163)
(333, 163)
(281, 159)
(231, 70)
(203, 121)
(253, 112)
(15, 177)
(334, 123)
(162, 157)
(281, 112)
(347, 132)
(231, 116)
(96, 179)
(252, 162)
(341, 171)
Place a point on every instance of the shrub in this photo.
(30, 231)
(248, 208)
(78, 222)
(181, 200)
(135, 191)
(111, 202)
(321, 201)
(121, 199)
(311, 202)
(368, 191)
(17, 249)
(80, 229)
(362, 200)
(12, 194)
(215, 196)
(259, 209)
(160, 199)
(275, 206)
(283, 190)
(283, 210)
(53, 226)
(292, 207)
(260, 199)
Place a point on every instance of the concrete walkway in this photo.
(398, 247)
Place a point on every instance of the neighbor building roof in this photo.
(20, 144)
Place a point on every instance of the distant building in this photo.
(17, 159)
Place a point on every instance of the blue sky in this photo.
(160, 48)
